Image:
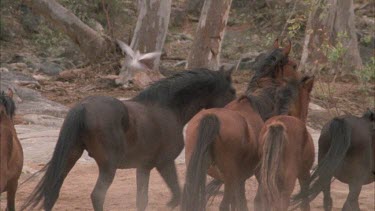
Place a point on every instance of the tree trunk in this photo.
(93, 45)
(149, 36)
(331, 39)
(152, 27)
(206, 47)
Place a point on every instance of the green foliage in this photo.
(335, 53)
(367, 73)
(366, 40)
(296, 25)
(47, 39)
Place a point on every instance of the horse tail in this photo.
(340, 134)
(47, 190)
(274, 144)
(213, 188)
(194, 194)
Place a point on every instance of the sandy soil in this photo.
(75, 193)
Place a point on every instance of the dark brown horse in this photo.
(243, 119)
(227, 139)
(142, 133)
(346, 152)
(11, 154)
(287, 153)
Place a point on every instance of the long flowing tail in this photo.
(274, 142)
(340, 134)
(194, 195)
(48, 188)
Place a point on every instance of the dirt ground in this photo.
(75, 193)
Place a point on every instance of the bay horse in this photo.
(226, 138)
(11, 153)
(287, 153)
(142, 133)
(346, 152)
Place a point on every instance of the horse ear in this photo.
(288, 47)
(276, 43)
(308, 82)
(10, 93)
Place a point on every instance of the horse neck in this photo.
(185, 112)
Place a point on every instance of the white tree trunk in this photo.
(208, 38)
(149, 36)
(152, 27)
(327, 20)
(93, 45)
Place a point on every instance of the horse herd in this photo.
(263, 133)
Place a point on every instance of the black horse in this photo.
(346, 152)
(142, 133)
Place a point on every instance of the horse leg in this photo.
(105, 179)
(169, 174)
(351, 202)
(327, 200)
(143, 177)
(227, 199)
(11, 194)
(242, 203)
(258, 200)
(304, 184)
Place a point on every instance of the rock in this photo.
(29, 101)
(41, 119)
(50, 68)
(3, 69)
(19, 66)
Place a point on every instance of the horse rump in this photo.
(339, 134)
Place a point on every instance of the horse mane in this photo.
(284, 97)
(273, 99)
(267, 66)
(8, 103)
(183, 87)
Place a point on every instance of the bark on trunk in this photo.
(331, 24)
(206, 47)
(149, 36)
(152, 27)
(93, 45)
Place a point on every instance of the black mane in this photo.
(183, 87)
(274, 99)
(267, 65)
(8, 103)
(284, 97)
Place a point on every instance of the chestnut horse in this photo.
(142, 133)
(287, 153)
(346, 152)
(274, 66)
(11, 153)
(227, 139)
